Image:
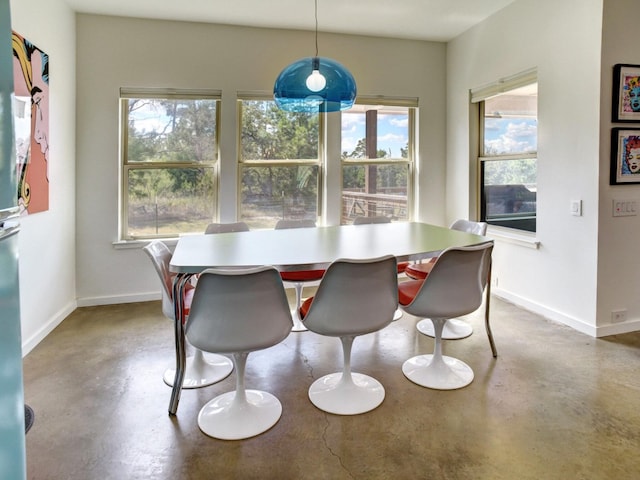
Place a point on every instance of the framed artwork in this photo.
(626, 93)
(31, 122)
(625, 156)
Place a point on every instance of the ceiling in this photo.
(437, 20)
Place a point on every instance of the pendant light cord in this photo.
(316, 3)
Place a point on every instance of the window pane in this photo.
(380, 189)
(271, 193)
(169, 201)
(374, 190)
(509, 193)
(171, 130)
(370, 131)
(511, 122)
(269, 133)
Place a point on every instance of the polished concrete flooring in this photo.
(555, 404)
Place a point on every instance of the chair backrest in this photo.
(369, 220)
(226, 227)
(355, 297)
(284, 224)
(238, 310)
(477, 228)
(160, 256)
(455, 284)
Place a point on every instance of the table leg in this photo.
(494, 351)
(179, 283)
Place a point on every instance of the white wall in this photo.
(47, 239)
(562, 39)
(115, 52)
(618, 272)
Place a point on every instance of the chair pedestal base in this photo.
(356, 394)
(439, 373)
(454, 329)
(298, 326)
(227, 418)
(202, 371)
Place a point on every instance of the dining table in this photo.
(299, 249)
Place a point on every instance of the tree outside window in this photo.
(376, 162)
(279, 164)
(169, 164)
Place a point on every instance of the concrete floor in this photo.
(556, 404)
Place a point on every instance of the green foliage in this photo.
(510, 172)
(170, 131)
(389, 177)
(269, 133)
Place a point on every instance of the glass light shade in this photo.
(292, 90)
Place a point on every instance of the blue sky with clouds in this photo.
(392, 132)
(511, 135)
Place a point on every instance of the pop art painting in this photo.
(31, 121)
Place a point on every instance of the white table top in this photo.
(306, 248)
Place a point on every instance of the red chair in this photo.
(455, 328)
(298, 278)
(355, 297)
(200, 371)
(419, 271)
(455, 287)
(236, 312)
(401, 265)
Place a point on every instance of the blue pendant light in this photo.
(315, 84)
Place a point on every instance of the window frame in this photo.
(126, 166)
(411, 104)
(479, 96)
(241, 163)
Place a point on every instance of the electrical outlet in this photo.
(625, 208)
(618, 316)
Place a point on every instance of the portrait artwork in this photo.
(625, 156)
(626, 93)
(31, 122)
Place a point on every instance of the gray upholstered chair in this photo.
(355, 297)
(226, 227)
(200, 371)
(455, 286)
(235, 312)
(362, 220)
(455, 328)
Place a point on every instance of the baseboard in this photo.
(547, 313)
(47, 328)
(618, 328)
(583, 327)
(116, 299)
(142, 297)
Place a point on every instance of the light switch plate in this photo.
(576, 208)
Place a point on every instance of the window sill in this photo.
(508, 235)
(130, 244)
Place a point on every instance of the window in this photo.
(508, 157)
(169, 158)
(279, 164)
(377, 161)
